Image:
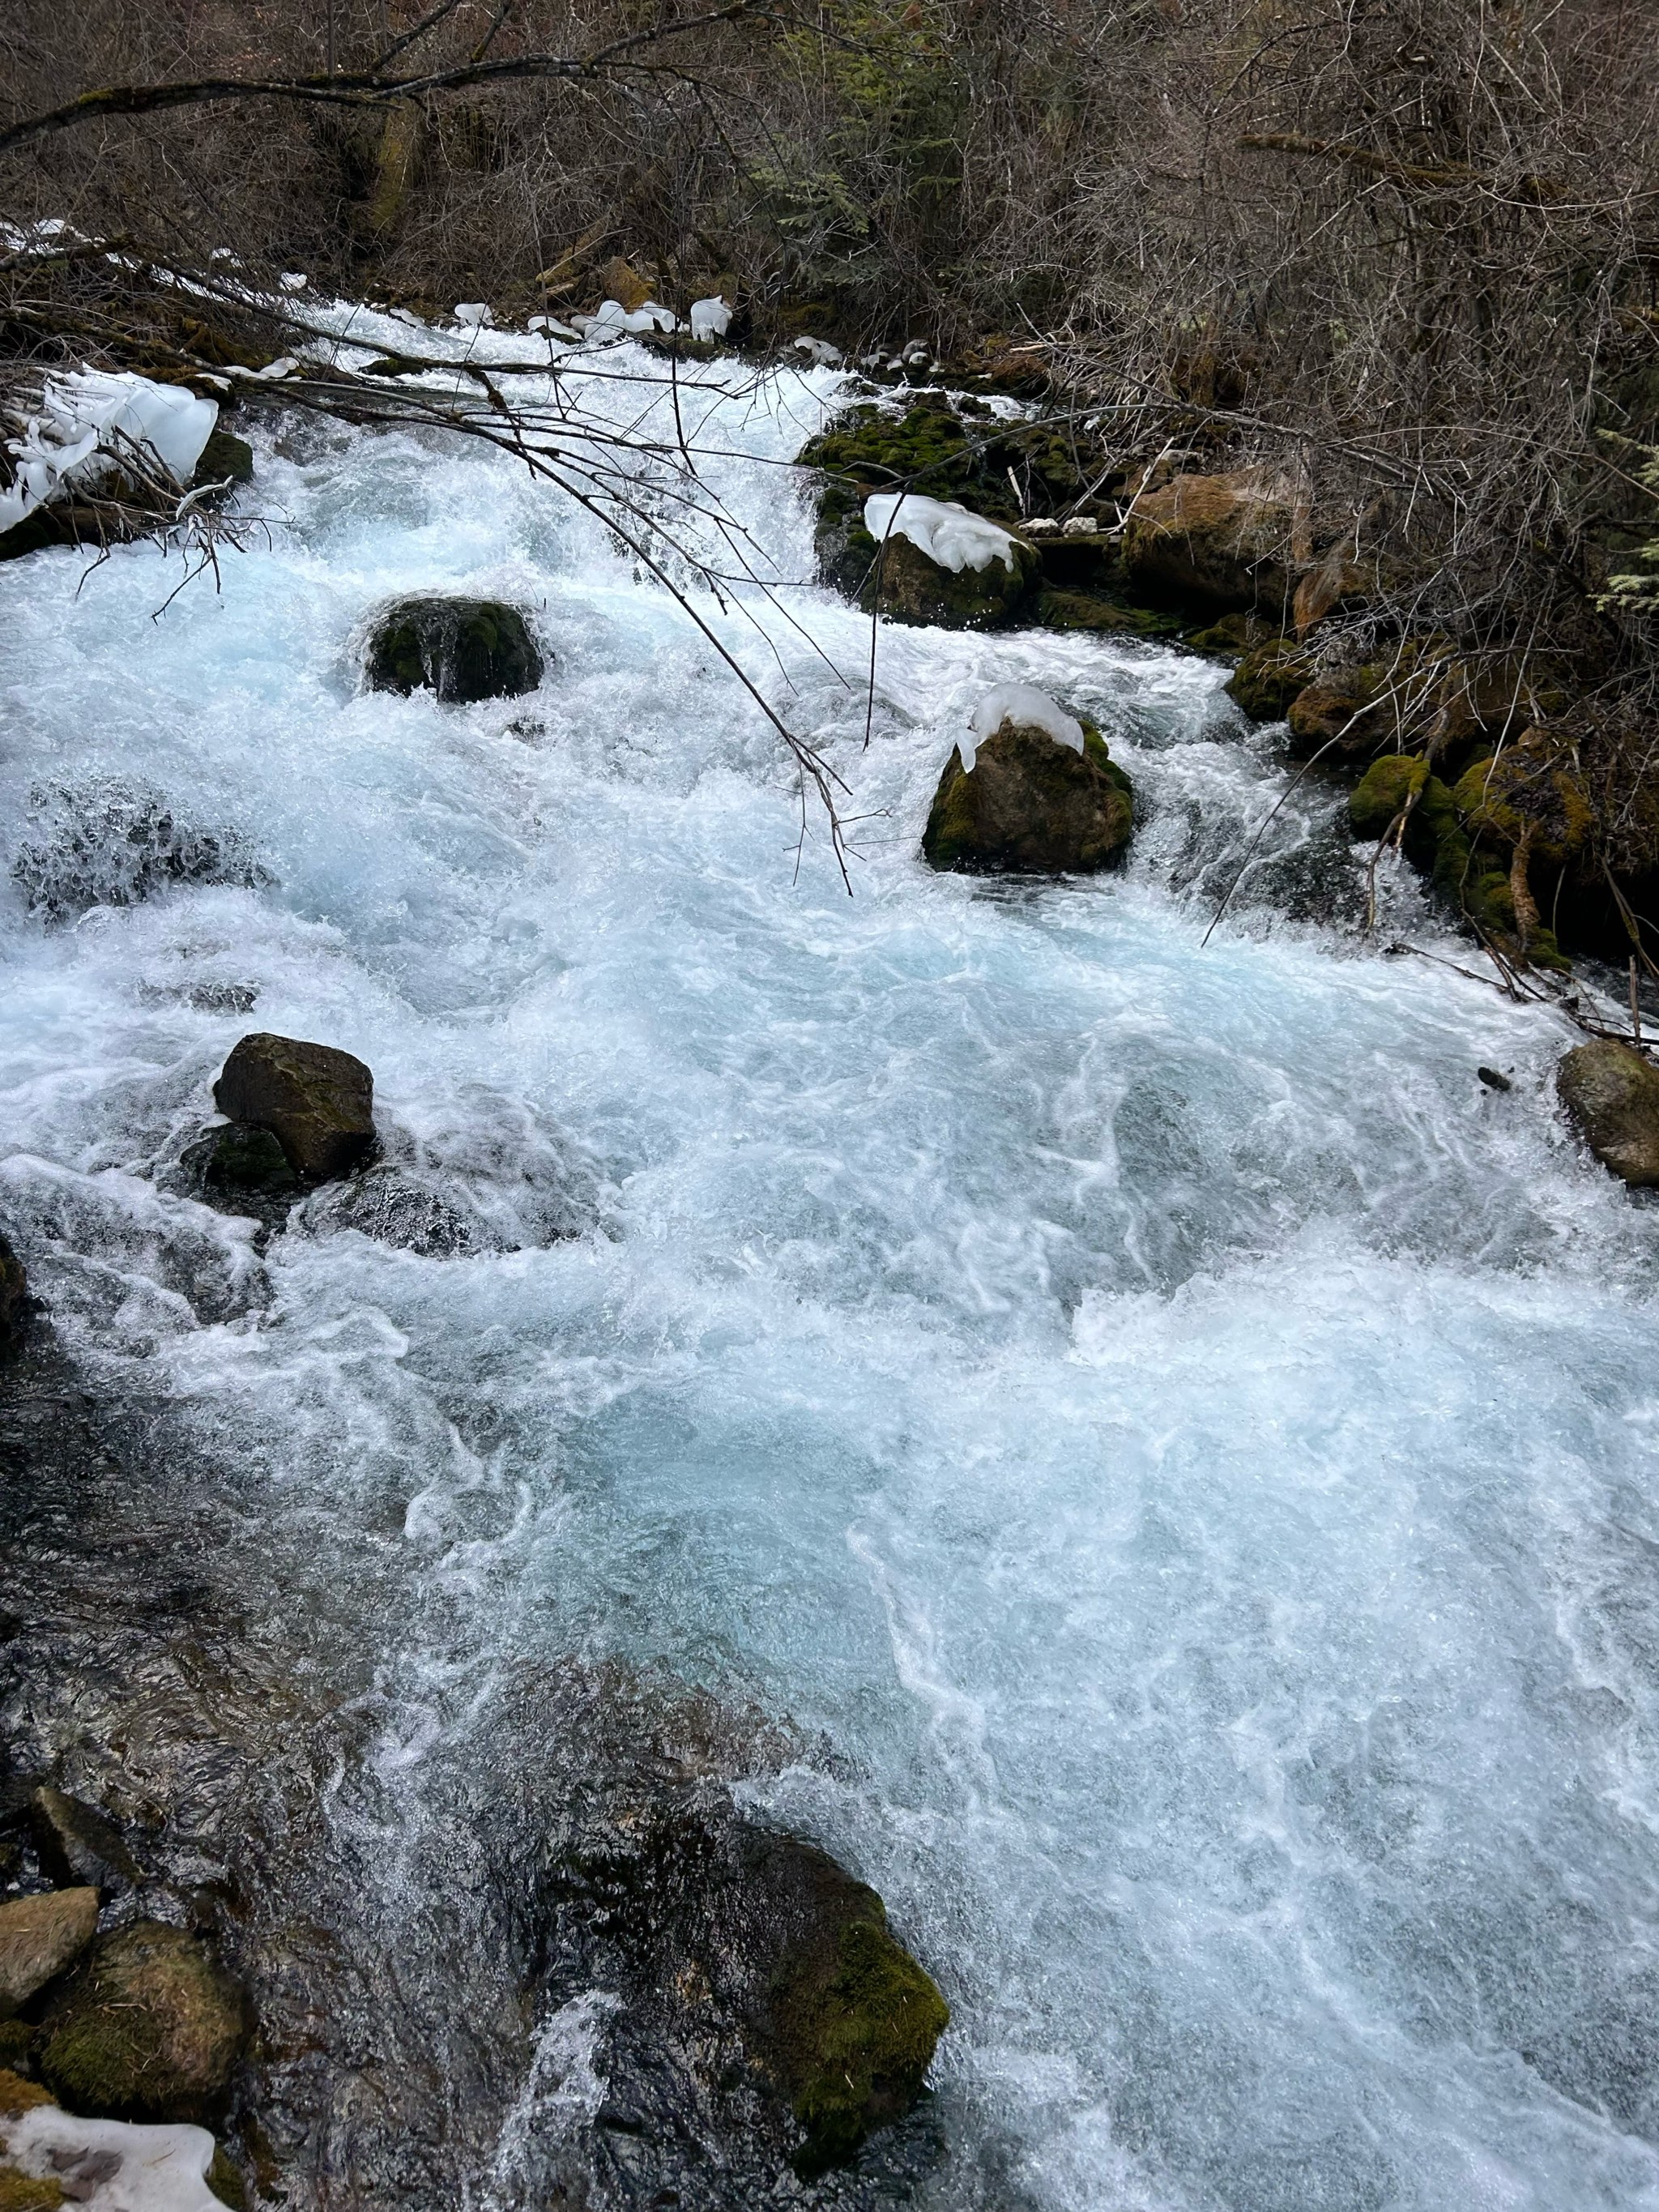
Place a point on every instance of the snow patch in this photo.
(710, 319)
(1022, 703)
(613, 318)
(112, 2166)
(946, 532)
(86, 415)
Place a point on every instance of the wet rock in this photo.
(1220, 541)
(242, 1168)
(403, 1211)
(462, 649)
(226, 458)
(1611, 1094)
(907, 585)
(317, 1101)
(78, 1845)
(13, 1297)
(38, 1937)
(150, 2027)
(1031, 805)
(114, 844)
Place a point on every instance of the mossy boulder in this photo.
(1104, 617)
(462, 649)
(225, 460)
(316, 1101)
(1610, 1095)
(1213, 542)
(243, 1169)
(1031, 805)
(38, 1937)
(1530, 791)
(852, 2019)
(909, 586)
(150, 2028)
(28, 2192)
(1269, 677)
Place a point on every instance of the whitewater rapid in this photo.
(1183, 1446)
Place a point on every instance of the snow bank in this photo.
(110, 2165)
(84, 417)
(1023, 703)
(710, 319)
(946, 532)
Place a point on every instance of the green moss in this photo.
(225, 2180)
(1268, 679)
(860, 2041)
(1085, 611)
(1384, 790)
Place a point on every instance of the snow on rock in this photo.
(946, 532)
(819, 352)
(112, 2165)
(612, 319)
(553, 327)
(710, 319)
(1022, 703)
(85, 417)
(475, 314)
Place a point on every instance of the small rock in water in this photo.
(150, 2028)
(462, 649)
(1611, 1094)
(317, 1101)
(1031, 805)
(77, 1843)
(1494, 1079)
(38, 1937)
(13, 1297)
(242, 1168)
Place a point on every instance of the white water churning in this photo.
(1187, 1447)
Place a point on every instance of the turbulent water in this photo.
(1178, 1451)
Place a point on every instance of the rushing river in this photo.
(1179, 1451)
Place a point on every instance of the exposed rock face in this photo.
(77, 1843)
(149, 2028)
(1031, 805)
(318, 1102)
(1611, 1094)
(1222, 541)
(462, 649)
(38, 1937)
(13, 1297)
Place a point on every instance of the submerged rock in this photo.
(242, 1168)
(1031, 805)
(77, 1843)
(1611, 1094)
(109, 843)
(38, 1937)
(462, 649)
(317, 1101)
(13, 1297)
(149, 2028)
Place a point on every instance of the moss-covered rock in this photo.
(316, 1101)
(224, 2178)
(1092, 612)
(1531, 791)
(462, 649)
(225, 460)
(1031, 805)
(149, 2028)
(1269, 677)
(909, 586)
(1611, 1094)
(1212, 542)
(38, 1937)
(18, 2096)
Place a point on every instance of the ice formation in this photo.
(710, 319)
(85, 416)
(819, 352)
(612, 317)
(112, 2165)
(474, 314)
(944, 532)
(1023, 703)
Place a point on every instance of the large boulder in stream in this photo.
(150, 2028)
(1611, 1094)
(462, 649)
(1039, 795)
(317, 1101)
(935, 561)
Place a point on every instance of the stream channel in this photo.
(1151, 1462)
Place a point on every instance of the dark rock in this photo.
(148, 2028)
(225, 458)
(462, 649)
(907, 584)
(1031, 805)
(1494, 1079)
(1611, 1094)
(242, 1168)
(13, 1297)
(38, 1937)
(317, 1101)
(403, 1211)
(78, 1845)
(1087, 561)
